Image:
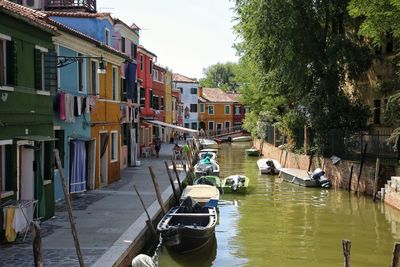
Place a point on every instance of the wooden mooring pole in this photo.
(177, 176)
(361, 167)
(36, 244)
(377, 167)
(157, 188)
(351, 176)
(149, 221)
(69, 209)
(172, 182)
(396, 254)
(346, 244)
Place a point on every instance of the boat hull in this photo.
(201, 193)
(299, 177)
(253, 152)
(246, 138)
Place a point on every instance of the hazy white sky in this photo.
(186, 35)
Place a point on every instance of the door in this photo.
(103, 159)
(219, 128)
(91, 163)
(27, 176)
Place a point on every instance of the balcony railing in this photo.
(85, 5)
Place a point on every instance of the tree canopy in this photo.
(298, 55)
(220, 75)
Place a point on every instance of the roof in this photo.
(176, 77)
(133, 30)
(36, 18)
(158, 67)
(78, 14)
(216, 95)
(234, 96)
(135, 27)
(202, 100)
(144, 50)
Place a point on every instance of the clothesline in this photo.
(75, 93)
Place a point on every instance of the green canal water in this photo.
(281, 224)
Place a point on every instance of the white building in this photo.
(189, 96)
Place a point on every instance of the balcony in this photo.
(76, 5)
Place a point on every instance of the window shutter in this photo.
(50, 71)
(11, 58)
(38, 69)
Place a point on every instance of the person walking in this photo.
(157, 146)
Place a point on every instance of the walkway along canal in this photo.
(281, 224)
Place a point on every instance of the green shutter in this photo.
(38, 69)
(50, 71)
(11, 59)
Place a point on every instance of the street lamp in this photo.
(63, 61)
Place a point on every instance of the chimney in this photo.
(200, 91)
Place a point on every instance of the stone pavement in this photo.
(102, 217)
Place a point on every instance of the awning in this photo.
(172, 126)
(36, 138)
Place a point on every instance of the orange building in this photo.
(215, 109)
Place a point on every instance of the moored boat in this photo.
(235, 184)
(208, 143)
(254, 152)
(206, 166)
(208, 179)
(188, 227)
(268, 166)
(304, 178)
(213, 150)
(201, 193)
(211, 155)
(244, 138)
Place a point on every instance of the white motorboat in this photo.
(268, 166)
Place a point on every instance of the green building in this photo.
(28, 76)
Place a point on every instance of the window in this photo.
(107, 36)
(155, 75)
(81, 75)
(114, 146)
(193, 107)
(237, 110)
(227, 124)
(151, 66)
(162, 103)
(193, 91)
(246, 110)
(186, 125)
(141, 62)
(114, 83)
(161, 77)
(123, 44)
(180, 89)
(211, 110)
(194, 125)
(5, 177)
(142, 96)
(155, 103)
(95, 77)
(377, 111)
(210, 125)
(123, 89)
(7, 61)
(133, 51)
(202, 108)
(227, 110)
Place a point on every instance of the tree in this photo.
(220, 75)
(380, 21)
(301, 53)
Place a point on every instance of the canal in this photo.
(281, 224)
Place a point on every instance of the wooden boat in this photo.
(304, 178)
(206, 167)
(235, 184)
(268, 166)
(188, 227)
(208, 143)
(244, 138)
(208, 179)
(201, 193)
(203, 155)
(254, 152)
(213, 150)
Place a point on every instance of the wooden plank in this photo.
(172, 182)
(149, 221)
(69, 208)
(157, 188)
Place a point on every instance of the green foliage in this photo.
(297, 55)
(220, 75)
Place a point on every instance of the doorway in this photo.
(27, 175)
(103, 158)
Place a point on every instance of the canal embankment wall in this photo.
(338, 173)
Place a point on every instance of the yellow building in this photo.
(168, 96)
(215, 110)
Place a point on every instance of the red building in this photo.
(145, 83)
(239, 111)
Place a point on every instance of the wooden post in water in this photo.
(396, 254)
(361, 167)
(157, 188)
(149, 221)
(177, 176)
(377, 166)
(346, 244)
(69, 209)
(351, 176)
(310, 162)
(172, 182)
(36, 244)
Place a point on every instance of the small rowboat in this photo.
(253, 152)
(244, 138)
(208, 143)
(235, 184)
(268, 166)
(188, 227)
(208, 179)
(201, 193)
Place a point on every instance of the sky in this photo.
(186, 35)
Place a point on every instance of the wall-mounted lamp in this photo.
(63, 61)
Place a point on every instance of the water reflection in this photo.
(283, 225)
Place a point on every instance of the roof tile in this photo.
(176, 77)
(217, 95)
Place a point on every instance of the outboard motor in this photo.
(208, 169)
(318, 175)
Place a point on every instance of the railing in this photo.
(88, 5)
(223, 132)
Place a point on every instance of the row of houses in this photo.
(78, 80)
